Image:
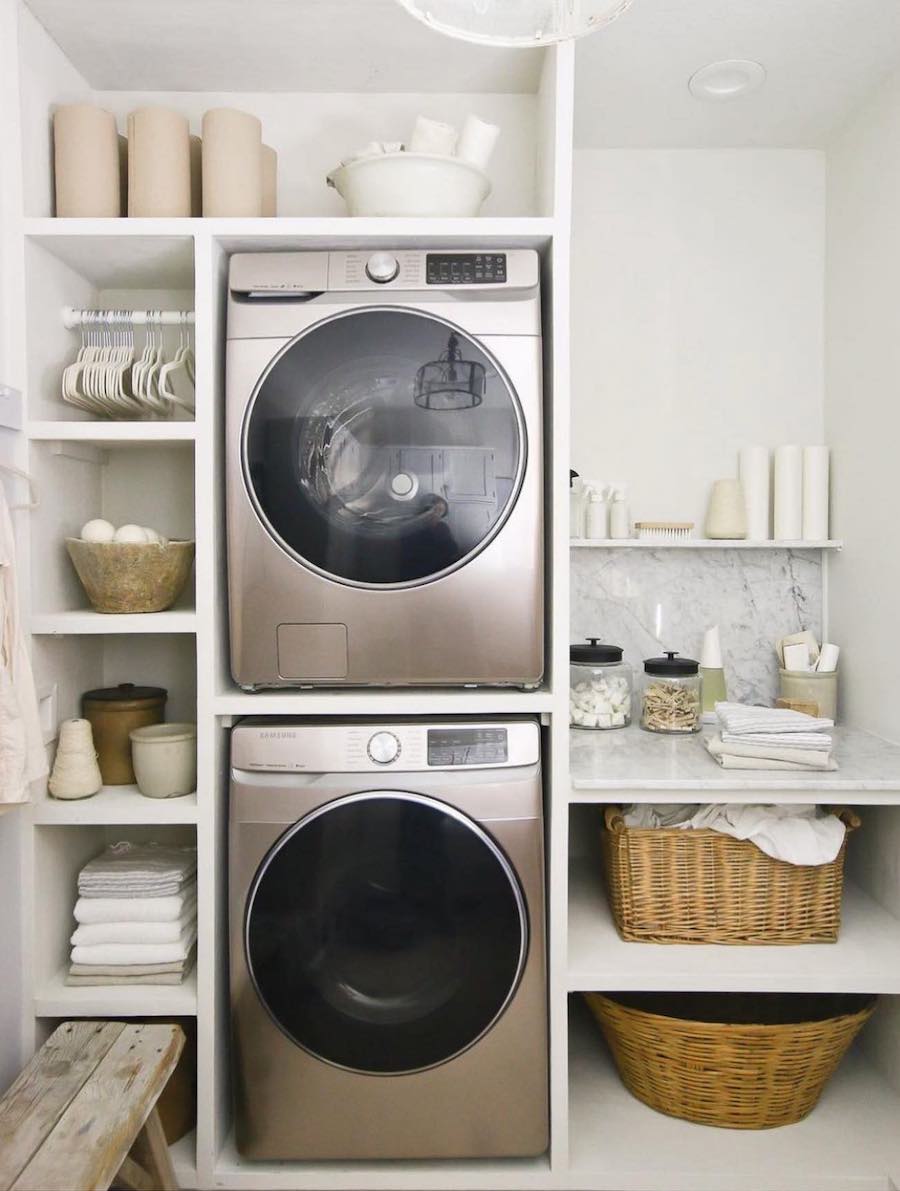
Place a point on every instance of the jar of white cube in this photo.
(600, 686)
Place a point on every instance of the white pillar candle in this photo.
(753, 468)
(815, 494)
(788, 493)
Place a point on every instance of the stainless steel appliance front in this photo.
(384, 473)
(388, 974)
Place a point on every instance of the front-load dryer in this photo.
(383, 468)
(388, 982)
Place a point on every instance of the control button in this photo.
(382, 267)
(384, 747)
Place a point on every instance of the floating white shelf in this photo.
(502, 1174)
(62, 624)
(55, 998)
(113, 433)
(866, 958)
(428, 701)
(113, 805)
(701, 544)
(850, 1140)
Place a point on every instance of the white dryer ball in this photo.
(152, 535)
(97, 531)
(131, 533)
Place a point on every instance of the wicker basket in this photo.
(667, 885)
(736, 1061)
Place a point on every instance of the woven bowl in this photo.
(737, 1061)
(129, 577)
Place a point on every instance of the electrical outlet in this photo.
(10, 407)
(48, 712)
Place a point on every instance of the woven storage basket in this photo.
(736, 1061)
(667, 885)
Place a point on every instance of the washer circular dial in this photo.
(382, 267)
(383, 748)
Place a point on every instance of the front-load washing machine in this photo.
(383, 468)
(388, 983)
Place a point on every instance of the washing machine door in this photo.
(385, 932)
(383, 447)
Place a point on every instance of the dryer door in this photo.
(385, 932)
(383, 447)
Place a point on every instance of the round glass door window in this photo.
(383, 447)
(385, 933)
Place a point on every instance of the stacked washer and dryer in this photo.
(384, 520)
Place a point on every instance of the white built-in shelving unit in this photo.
(170, 475)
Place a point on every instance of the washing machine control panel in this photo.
(283, 746)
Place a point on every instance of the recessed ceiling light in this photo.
(730, 79)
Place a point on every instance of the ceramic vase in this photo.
(726, 516)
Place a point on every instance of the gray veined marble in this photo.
(651, 600)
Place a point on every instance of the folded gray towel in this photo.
(138, 870)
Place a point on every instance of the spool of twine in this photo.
(76, 773)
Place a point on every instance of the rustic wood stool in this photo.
(82, 1114)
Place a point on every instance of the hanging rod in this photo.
(73, 319)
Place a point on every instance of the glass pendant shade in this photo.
(450, 382)
(516, 22)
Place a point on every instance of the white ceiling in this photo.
(273, 45)
(823, 57)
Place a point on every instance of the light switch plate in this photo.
(48, 712)
(10, 407)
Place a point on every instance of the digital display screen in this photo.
(467, 746)
(469, 268)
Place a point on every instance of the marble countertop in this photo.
(632, 759)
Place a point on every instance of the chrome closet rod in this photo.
(73, 318)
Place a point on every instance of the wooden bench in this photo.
(83, 1112)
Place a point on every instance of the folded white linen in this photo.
(819, 741)
(807, 758)
(135, 932)
(732, 761)
(179, 966)
(135, 909)
(161, 978)
(802, 835)
(148, 869)
(136, 953)
(741, 719)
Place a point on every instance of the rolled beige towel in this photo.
(86, 162)
(159, 164)
(232, 170)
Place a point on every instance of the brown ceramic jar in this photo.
(113, 712)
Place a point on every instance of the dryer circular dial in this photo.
(386, 932)
(383, 748)
(382, 267)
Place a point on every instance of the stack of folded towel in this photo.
(136, 915)
(771, 738)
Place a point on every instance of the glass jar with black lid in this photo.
(600, 686)
(671, 698)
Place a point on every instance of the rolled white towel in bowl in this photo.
(431, 136)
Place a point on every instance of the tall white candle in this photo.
(788, 493)
(815, 493)
(753, 468)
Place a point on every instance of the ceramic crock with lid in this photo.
(113, 713)
(671, 699)
(600, 686)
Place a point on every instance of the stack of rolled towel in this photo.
(771, 738)
(136, 915)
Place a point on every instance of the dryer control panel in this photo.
(280, 746)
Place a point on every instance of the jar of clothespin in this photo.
(671, 697)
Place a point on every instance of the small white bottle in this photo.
(619, 519)
(577, 500)
(597, 519)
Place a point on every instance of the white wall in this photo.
(698, 315)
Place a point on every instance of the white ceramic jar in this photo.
(165, 759)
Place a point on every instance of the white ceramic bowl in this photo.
(412, 184)
(165, 759)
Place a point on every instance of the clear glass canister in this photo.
(600, 686)
(671, 700)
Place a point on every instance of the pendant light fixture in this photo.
(450, 382)
(518, 23)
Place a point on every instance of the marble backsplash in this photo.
(650, 600)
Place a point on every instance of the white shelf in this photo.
(427, 701)
(184, 1158)
(115, 804)
(636, 766)
(866, 958)
(55, 998)
(850, 1140)
(514, 231)
(504, 1174)
(63, 624)
(113, 433)
(701, 544)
